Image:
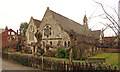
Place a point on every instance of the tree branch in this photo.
(110, 18)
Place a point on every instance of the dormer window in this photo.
(12, 33)
(31, 36)
(8, 32)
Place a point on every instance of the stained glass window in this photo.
(47, 31)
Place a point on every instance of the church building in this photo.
(30, 34)
(55, 27)
(55, 30)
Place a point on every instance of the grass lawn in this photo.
(110, 58)
(64, 59)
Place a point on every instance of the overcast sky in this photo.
(14, 12)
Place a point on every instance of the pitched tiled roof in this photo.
(37, 22)
(4, 38)
(96, 33)
(68, 24)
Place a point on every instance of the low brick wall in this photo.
(110, 50)
(96, 60)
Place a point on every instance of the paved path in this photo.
(11, 65)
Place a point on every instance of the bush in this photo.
(51, 53)
(13, 57)
(42, 51)
(3, 49)
(62, 53)
(26, 51)
(67, 53)
(21, 59)
(84, 58)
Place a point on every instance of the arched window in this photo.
(68, 43)
(31, 36)
(13, 37)
(31, 33)
(65, 44)
(47, 30)
(9, 39)
(50, 42)
(43, 44)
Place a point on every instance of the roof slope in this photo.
(36, 22)
(68, 24)
(4, 38)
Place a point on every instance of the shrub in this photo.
(62, 53)
(26, 51)
(42, 51)
(13, 57)
(21, 59)
(51, 53)
(67, 53)
(84, 58)
(3, 49)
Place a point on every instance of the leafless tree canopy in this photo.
(113, 23)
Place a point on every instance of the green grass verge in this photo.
(110, 58)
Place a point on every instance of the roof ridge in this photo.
(7, 30)
(36, 20)
(67, 18)
(68, 24)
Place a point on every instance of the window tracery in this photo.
(47, 31)
(31, 33)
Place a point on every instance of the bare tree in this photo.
(113, 22)
(111, 18)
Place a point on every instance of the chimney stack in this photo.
(6, 28)
(17, 32)
(20, 31)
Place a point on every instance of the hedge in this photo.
(21, 59)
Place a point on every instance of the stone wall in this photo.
(57, 33)
(28, 30)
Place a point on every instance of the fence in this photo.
(52, 64)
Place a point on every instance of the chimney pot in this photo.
(17, 32)
(6, 28)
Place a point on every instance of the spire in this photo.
(85, 21)
(47, 8)
(31, 17)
